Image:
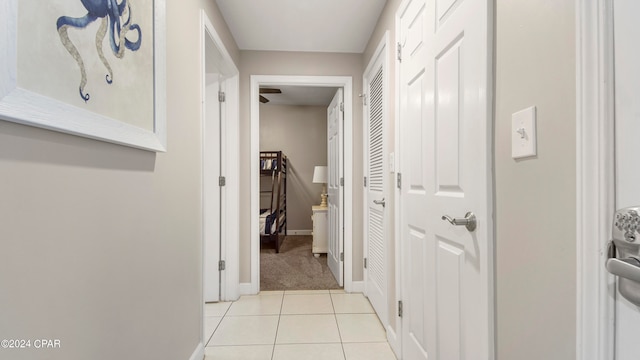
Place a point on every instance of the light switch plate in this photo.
(523, 133)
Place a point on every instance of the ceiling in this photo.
(343, 26)
(301, 95)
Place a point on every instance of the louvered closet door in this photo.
(375, 273)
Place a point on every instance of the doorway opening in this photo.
(343, 222)
(293, 169)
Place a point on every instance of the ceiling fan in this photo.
(263, 99)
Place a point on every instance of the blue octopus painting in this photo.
(116, 17)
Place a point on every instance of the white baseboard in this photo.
(357, 287)
(394, 341)
(245, 289)
(299, 232)
(198, 353)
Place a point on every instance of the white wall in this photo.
(100, 244)
(301, 133)
(297, 63)
(536, 198)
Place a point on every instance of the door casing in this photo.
(345, 82)
(595, 196)
(228, 166)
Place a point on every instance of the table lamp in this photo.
(320, 177)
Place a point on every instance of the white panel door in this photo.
(375, 172)
(211, 190)
(334, 200)
(445, 153)
(627, 118)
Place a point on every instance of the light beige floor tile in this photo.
(305, 292)
(271, 292)
(246, 352)
(308, 352)
(256, 305)
(245, 330)
(351, 304)
(337, 291)
(216, 309)
(360, 328)
(368, 351)
(307, 329)
(307, 304)
(210, 324)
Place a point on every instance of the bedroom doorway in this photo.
(300, 167)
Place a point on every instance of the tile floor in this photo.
(295, 325)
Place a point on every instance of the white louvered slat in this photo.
(376, 96)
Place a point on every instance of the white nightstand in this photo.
(320, 230)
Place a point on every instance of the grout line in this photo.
(335, 317)
(275, 338)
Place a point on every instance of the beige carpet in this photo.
(295, 267)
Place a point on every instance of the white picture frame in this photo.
(29, 108)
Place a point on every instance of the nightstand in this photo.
(320, 230)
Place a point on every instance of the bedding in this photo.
(267, 221)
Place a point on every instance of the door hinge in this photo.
(341, 106)
(400, 308)
(365, 181)
(341, 181)
(221, 265)
(222, 97)
(341, 256)
(222, 181)
(399, 180)
(399, 52)
(365, 263)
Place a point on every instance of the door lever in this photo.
(379, 202)
(469, 221)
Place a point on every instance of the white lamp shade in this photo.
(320, 175)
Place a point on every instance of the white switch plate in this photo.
(523, 133)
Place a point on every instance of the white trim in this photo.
(198, 353)
(397, 191)
(300, 232)
(320, 81)
(245, 289)
(30, 108)
(394, 341)
(594, 179)
(380, 58)
(356, 287)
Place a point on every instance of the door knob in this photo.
(469, 221)
(379, 202)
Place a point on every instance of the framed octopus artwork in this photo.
(93, 68)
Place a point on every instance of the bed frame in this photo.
(273, 164)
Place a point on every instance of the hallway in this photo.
(309, 324)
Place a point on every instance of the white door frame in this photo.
(344, 82)
(595, 196)
(229, 227)
(381, 52)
